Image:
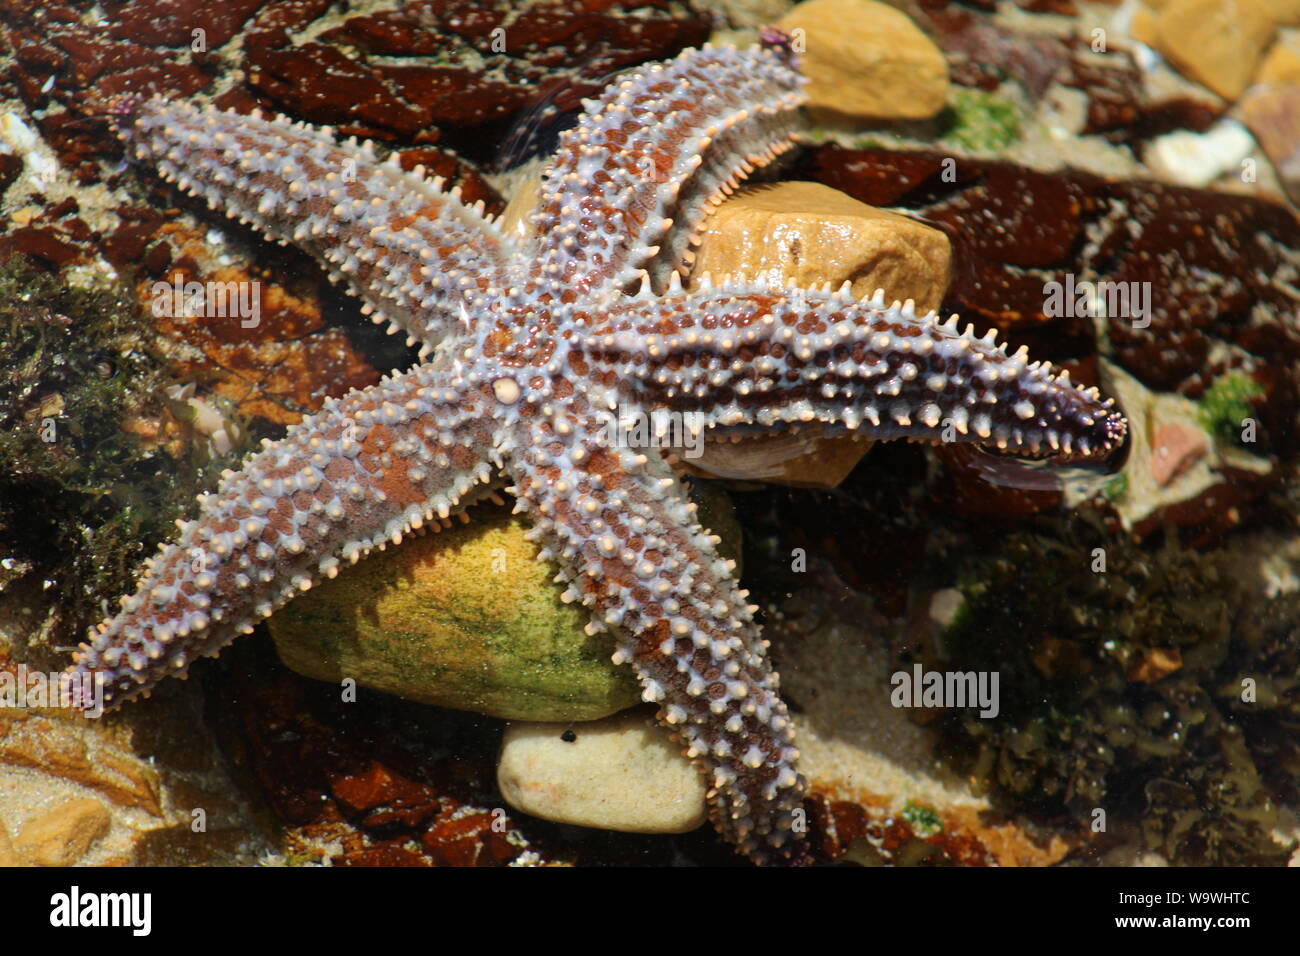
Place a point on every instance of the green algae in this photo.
(981, 122)
(1226, 404)
(925, 821)
(466, 618)
(82, 501)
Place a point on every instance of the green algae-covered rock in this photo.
(467, 618)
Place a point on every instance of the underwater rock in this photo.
(382, 781)
(1177, 470)
(867, 60)
(809, 460)
(1208, 261)
(272, 365)
(813, 234)
(63, 835)
(1216, 42)
(8, 857)
(1281, 65)
(368, 73)
(146, 771)
(621, 773)
(1285, 13)
(1151, 665)
(1174, 449)
(466, 618)
(376, 782)
(1273, 114)
(1198, 159)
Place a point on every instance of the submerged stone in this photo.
(624, 773)
(467, 618)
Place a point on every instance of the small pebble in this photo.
(65, 834)
(621, 773)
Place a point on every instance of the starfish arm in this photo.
(742, 355)
(364, 471)
(632, 550)
(418, 256)
(650, 158)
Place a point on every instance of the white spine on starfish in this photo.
(651, 157)
(742, 355)
(368, 469)
(416, 254)
(634, 552)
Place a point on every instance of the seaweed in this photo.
(1124, 691)
(87, 491)
(982, 121)
(1227, 403)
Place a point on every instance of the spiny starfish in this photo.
(530, 343)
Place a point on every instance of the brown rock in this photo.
(1156, 663)
(79, 753)
(8, 857)
(1216, 42)
(1174, 449)
(812, 234)
(802, 460)
(1273, 115)
(866, 60)
(62, 836)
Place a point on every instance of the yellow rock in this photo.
(62, 836)
(92, 754)
(866, 60)
(1281, 66)
(1216, 42)
(623, 773)
(1146, 26)
(814, 234)
(1285, 13)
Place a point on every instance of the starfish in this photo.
(530, 342)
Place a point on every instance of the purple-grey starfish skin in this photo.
(531, 343)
